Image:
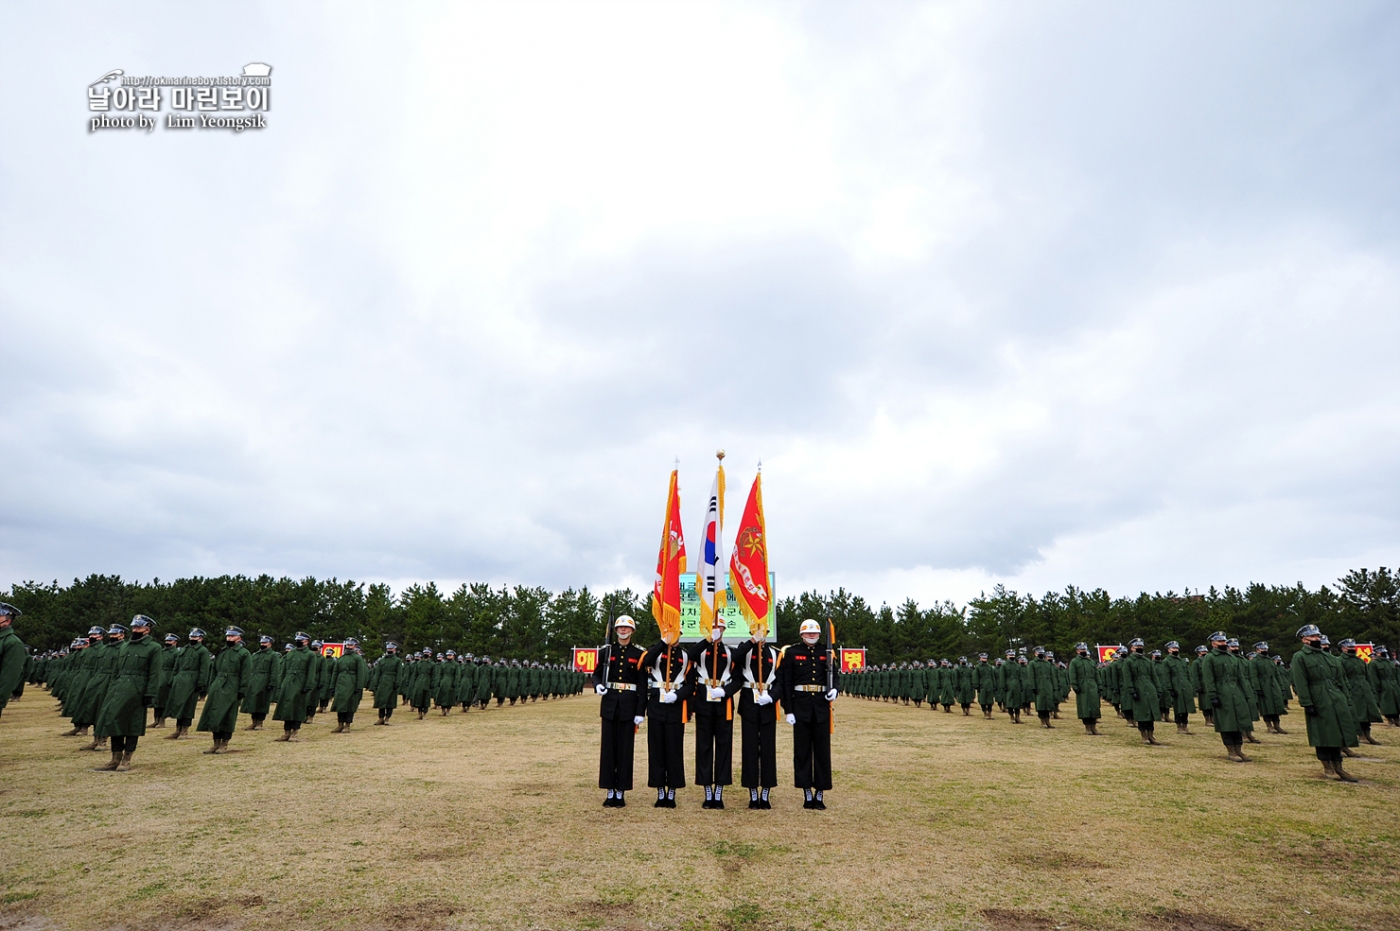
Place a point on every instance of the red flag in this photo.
(670, 563)
(748, 566)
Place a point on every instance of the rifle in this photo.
(830, 672)
(607, 645)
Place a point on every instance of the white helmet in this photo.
(810, 627)
(625, 621)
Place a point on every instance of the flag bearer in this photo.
(758, 709)
(714, 688)
(669, 688)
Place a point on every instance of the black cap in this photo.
(141, 620)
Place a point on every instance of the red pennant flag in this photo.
(670, 563)
(748, 566)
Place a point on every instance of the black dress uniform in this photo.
(620, 670)
(757, 665)
(802, 680)
(666, 669)
(713, 668)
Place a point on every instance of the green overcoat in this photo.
(13, 658)
(1328, 710)
(1385, 681)
(296, 679)
(193, 667)
(384, 680)
(1140, 684)
(168, 652)
(1223, 678)
(351, 677)
(258, 698)
(135, 682)
(1269, 698)
(1042, 684)
(1084, 679)
(233, 675)
(1363, 698)
(102, 666)
(1181, 690)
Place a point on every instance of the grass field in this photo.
(492, 821)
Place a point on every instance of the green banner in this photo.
(735, 627)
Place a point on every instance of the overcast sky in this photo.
(1043, 294)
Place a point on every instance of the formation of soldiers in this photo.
(106, 682)
(1341, 694)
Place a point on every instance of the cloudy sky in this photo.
(1046, 294)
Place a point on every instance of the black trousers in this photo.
(124, 744)
(615, 763)
(811, 755)
(1329, 754)
(714, 747)
(665, 754)
(760, 755)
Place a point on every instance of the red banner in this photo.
(333, 649)
(1106, 651)
(670, 563)
(585, 659)
(852, 659)
(748, 566)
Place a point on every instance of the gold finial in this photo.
(719, 454)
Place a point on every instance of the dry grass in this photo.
(492, 821)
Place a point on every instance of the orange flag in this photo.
(670, 563)
(748, 566)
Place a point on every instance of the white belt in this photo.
(623, 686)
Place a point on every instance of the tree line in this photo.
(526, 622)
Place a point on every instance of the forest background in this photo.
(525, 622)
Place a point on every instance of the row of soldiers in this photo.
(1342, 695)
(107, 680)
(445, 680)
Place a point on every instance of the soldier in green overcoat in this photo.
(1251, 689)
(466, 682)
(1180, 690)
(96, 676)
(348, 685)
(445, 682)
(964, 685)
(515, 682)
(296, 680)
(1224, 681)
(190, 675)
(483, 681)
(1385, 681)
(984, 679)
(258, 701)
(1017, 678)
(232, 677)
(1364, 705)
(1325, 704)
(167, 674)
(1084, 679)
(135, 682)
(1140, 684)
(320, 694)
(1042, 686)
(14, 656)
(384, 682)
(1268, 696)
(75, 683)
(1195, 671)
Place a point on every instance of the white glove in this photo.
(763, 698)
(601, 689)
(668, 698)
(791, 718)
(831, 695)
(716, 694)
(637, 720)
